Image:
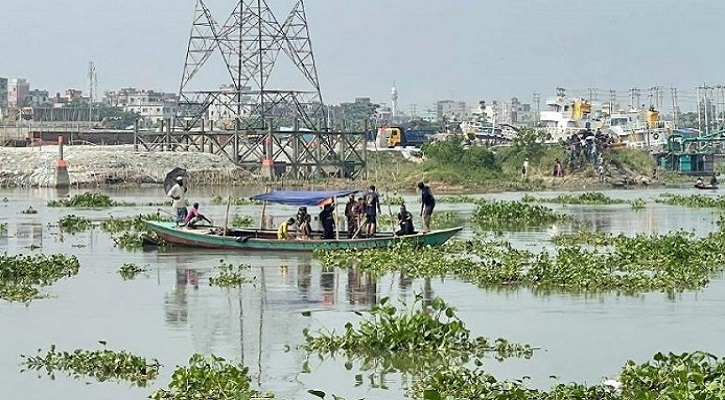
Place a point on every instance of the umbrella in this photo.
(170, 179)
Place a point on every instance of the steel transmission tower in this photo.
(250, 42)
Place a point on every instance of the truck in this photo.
(400, 136)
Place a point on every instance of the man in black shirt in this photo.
(427, 205)
(328, 222)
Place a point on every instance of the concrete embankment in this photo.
(98, 165)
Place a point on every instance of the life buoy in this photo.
(656, 136)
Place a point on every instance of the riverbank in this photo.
(90, 166)
(94, 166)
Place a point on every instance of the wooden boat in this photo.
(706, 187)
(211, 237)
(216, 237)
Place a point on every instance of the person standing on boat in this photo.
(372, 209)
(177, 194)
(283, 230)
(405, 221)
(303, 223)
(351, 216)
(327, 219)
(427, 205)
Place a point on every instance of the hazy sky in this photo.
(460, 49)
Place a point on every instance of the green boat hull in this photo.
(209, 237)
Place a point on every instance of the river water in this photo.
(171, 312)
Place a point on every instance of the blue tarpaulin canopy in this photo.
(301, 197)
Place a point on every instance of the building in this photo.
(451, 110)
(18, 92)
(3, 97)
(224, 107)
(38, 98)
(151, 106)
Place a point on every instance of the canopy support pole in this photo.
(337, 219)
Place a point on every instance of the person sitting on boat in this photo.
(283, 230)
(713, 180)
(405, 220)
(699, 183)
(328, 222)
(303, 223)
(193, 217)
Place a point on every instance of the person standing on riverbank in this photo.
(177, 193)
(525, 169)
(427, 204)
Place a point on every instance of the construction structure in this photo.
(280, 132)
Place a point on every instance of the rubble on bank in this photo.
(99, 165)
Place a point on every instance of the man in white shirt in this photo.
(177, 194)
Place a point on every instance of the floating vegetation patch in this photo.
(74, 224)
(88, 200)
(583, 238)
(457, 199)
(127, 233)
(588, 198)
(130, 271)
(670, 262)
(101, 365)
(405, 339)
(696, 375)
(392, 200)
(235, 201)
(241, 221)
(693, 200)
(439, 220)
(29, 210)
(230, 275)
(638, 204)
(506, 215)
(209, 378)
(22, 276)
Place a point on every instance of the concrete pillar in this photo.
(268, 160)
(62, 179)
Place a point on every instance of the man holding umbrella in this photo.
(179, 203)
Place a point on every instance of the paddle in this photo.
(360, 227)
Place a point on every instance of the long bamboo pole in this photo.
(226, 218)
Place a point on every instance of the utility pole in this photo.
(592, 94)
(92, 85)
(612, 100)
(675, 108)
(537, 101)
(705, 110)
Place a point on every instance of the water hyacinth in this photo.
(21, 276)
(101, 365)
(514, 215)
(74, 224)
(87, 200)
(209, 378)
(694, 200)
(129, 271)
(400, 337)
(458, 199)
(696, 375)
(670, 262)
(587, 198)
(230, 275)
